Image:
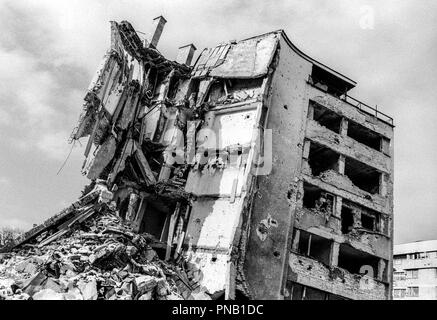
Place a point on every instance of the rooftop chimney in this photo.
(185, 54)
(158, 24)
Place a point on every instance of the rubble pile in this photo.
(98, 258)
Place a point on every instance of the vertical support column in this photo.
(357, 218)
(309, 245)
(333, 256)
(385, 146)
(383, 184)
(132, 207)
(171, 229)
(338, 205)
(306, 149)
(169, 161)
(381, 268)
(311, 111)
(140, 214)
(343, 126)
(230, 281)
(295, 244)
(341, 164)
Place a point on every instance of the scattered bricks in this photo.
(174, 296)
(48, 294)
(34, 284)
(73, 294)
(162, 287)
(88, 289)
(52, 284)
(128, 288)
(199, 294)
(110, 294)
(146, 296)
(27, 266)
(186, 294)
(66, 265)
(150, 254)
(145, 283)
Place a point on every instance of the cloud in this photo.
(4, 181)
(41, 81)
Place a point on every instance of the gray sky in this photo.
(49, 51)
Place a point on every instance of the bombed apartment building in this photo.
(253, 170)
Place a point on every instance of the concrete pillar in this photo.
(383, 184)
(311, 111)
(333, 257)
(140, 214)
(158, 24)
(309, 244)
(338, 205)
(357, 218)
(132, 208)
(295, 244)
(343, 127)
(381, 268)
(306, 149)
(385, 146)
(341, 164)
(185, 54)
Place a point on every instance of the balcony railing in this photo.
(373, 111)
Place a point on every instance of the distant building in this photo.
(415, 271)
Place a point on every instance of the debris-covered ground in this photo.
(96, 257)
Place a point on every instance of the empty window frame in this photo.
(364, 135)
(314, 246)
(321, 159)
(315, 198)
(412, 292)
(354, 260)
(422, 255)
(233, 89)
(399, 276)
(413, 274)
(399, 259)
(301, 292)
(328, 82)
(155, 217)
(399, 293)
(325, 117)
(347, 220)
(362, 175)
(356, 216)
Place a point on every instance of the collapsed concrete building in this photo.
(253, 165)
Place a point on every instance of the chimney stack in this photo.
(158, 24)
(185, 54)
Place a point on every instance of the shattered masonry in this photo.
(250, 175)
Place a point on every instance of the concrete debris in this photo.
(102, 258)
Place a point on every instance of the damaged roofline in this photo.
(351, 83)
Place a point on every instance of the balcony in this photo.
(338, 281)
(340, 94)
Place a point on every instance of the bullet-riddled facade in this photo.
(252, 167)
